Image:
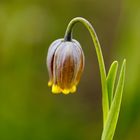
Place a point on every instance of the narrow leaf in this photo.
(113, 115)
(111, 80)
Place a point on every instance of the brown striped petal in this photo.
(50, 59)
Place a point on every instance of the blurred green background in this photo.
(28, 110)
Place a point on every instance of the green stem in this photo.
(68, 37)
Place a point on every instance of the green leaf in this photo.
(113, 114)
(111, 80)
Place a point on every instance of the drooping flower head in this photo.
(65, 63)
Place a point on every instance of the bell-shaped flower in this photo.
(65, 62)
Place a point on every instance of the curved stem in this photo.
(68, 37)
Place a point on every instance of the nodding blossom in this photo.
(65, 63)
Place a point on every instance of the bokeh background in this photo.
(28, 110)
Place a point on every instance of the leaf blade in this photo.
(113, 115)
(111, 77)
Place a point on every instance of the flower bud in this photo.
(65, 62)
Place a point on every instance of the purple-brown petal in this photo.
(67, 64)
(64, 65)
(81, 62)
(50, 56)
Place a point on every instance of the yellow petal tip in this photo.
(50, 83)
(73, 89)
(56, 89)
(65, 91)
